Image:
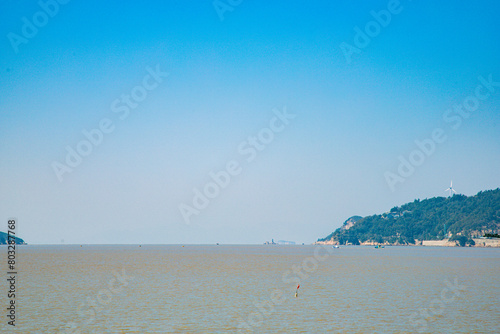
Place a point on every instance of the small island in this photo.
(440, 221)
(4, 239)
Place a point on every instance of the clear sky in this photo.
(359, 100)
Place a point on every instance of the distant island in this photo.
(440, 221)
(279, 242)
(4, 239)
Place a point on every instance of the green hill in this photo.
(3, 239)
(436, 218)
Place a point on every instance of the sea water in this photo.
(233, 288)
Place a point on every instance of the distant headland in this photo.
(457, 220)
(4, 239)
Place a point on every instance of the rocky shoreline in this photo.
(479, 242)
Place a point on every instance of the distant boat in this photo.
(379, 246)
(336, 246)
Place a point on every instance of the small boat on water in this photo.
(336, 246)
(379, 246)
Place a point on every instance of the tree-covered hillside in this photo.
(430, 219)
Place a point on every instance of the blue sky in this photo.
(225, 77)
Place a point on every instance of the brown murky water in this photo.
(226, 289)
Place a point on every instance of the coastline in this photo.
(480, 242)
